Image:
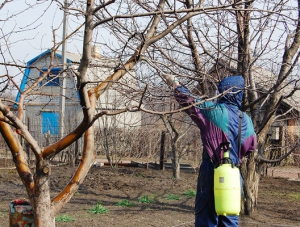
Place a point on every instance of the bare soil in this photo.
(279, 199)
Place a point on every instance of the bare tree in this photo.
(232, 42)
(36, 181)
(245, 38)
(201, 42)
(178, 147)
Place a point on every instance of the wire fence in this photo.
(144, 143)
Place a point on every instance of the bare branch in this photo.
(261, 159)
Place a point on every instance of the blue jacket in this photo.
(218, 122)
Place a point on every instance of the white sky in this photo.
(28, 32)
(26, 27)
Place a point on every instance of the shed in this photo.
(42, 105)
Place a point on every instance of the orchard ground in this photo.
(166, 202)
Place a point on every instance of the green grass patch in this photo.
(125, 203)
(190, 193)
(64, 218)
(139, 175)
(173, 197)
(98, 209)
(294, 196)
(145, 199)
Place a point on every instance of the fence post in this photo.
(162, 151)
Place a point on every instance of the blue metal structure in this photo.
(50, 120)
(50, 123)
(28, 68)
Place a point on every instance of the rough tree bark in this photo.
(37, 182)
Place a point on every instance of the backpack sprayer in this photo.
(227, 185)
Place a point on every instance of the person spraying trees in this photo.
(220, 123)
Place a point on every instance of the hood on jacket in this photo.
(235, 95)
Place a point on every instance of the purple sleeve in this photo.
(183, 96)
(249, 145)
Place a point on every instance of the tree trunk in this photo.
(162, 151)
(251, 175)
(43, 217)
(41, 201)
(175, 164)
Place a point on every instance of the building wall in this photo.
(124, 120)
(33, 119)
(116, 97)
(47, 99)
(49, 94)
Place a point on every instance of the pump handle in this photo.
(225, 146)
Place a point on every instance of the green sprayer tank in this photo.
(227, 188)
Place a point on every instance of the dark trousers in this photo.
(205, 214)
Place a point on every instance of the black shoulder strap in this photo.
(239, 133)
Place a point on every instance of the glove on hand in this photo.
(169, 78)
